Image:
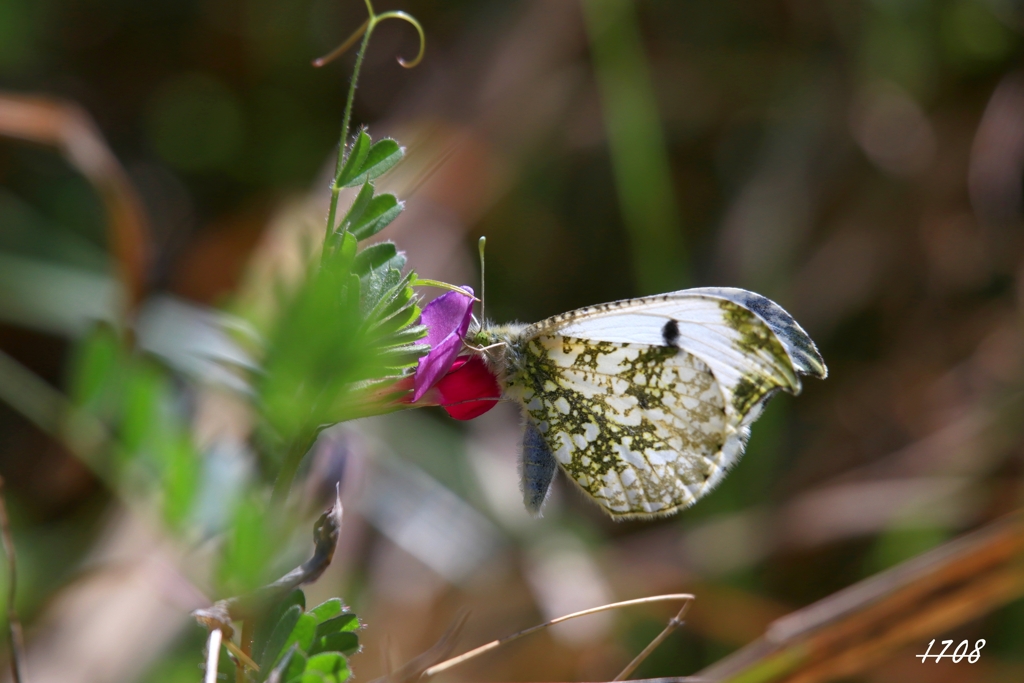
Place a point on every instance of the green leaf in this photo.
(374, 256)
(343, 622)
(395, 323)
(356, 160)
(141, 419)
(345, 642)
(181, 474)
(379, 213)
(406, 335)
(292, 664)
(268, 622)
(327, 610)
(359, 206)
(381, 286)
(331, 665)
(393, 302)
(303, 633)
(278, 637)
(382, 156)
(96, 369)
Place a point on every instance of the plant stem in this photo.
(674, 623)
(454, 661)
(345, 122)
(213, 655)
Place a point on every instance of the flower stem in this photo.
(346, 121)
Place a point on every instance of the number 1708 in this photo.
(958, 654)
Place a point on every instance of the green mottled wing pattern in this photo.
(643, 430)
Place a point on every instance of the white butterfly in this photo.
(646, 403)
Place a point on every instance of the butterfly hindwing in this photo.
(641, 429)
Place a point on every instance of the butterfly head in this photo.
(500, 346)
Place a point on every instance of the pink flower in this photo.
(447, 319)
(463, 386)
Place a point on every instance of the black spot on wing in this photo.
(670, 333)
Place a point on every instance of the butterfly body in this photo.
(645, 403)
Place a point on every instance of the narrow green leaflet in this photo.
(358, 208)
(266, 624)
(327, 610)
(378, 256)
(382, 156)
(356, 160)
(378, 214)
(302, 634)
(346, 621)
(344, 642)
(291, 665)
(278, 637)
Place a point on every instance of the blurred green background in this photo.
(861, 162)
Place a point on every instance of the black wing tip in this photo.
(798, 344)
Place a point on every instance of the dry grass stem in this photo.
(857, 628)
(416, 667)
(674, 623)
(494, 644)
(242, 657)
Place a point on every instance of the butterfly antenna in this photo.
(483, 282)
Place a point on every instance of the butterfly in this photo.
(646, 403)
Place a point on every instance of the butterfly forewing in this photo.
(747, 357)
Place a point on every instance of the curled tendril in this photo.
(419, 29)
(344, 47)
(369, 25)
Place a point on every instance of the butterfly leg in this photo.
(537, 468)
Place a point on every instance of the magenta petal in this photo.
(448, 313)
(447, 319)
(435, 364)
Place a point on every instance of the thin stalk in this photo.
(244, 660)
(343, 48)
(674, 623)
(494, 644)
(213, 656)
(345, 122)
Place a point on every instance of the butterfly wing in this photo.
(642, 429)
(536, 468)
(752, 346)
(646, 403)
